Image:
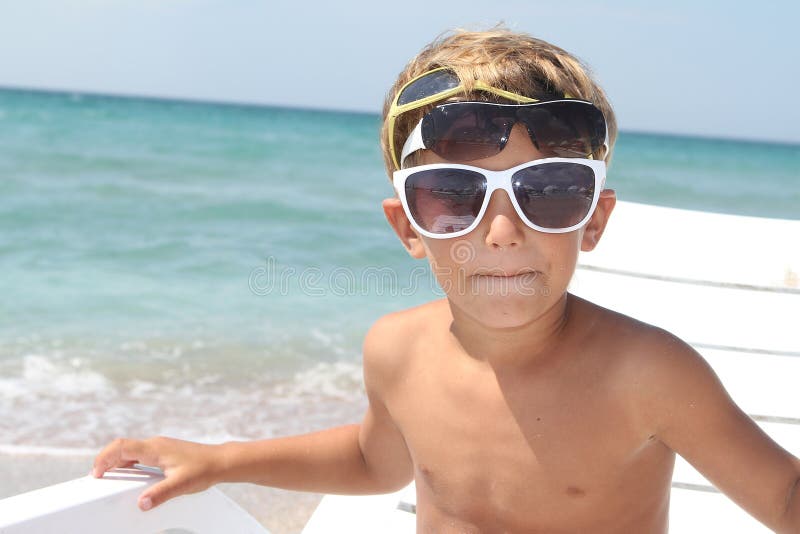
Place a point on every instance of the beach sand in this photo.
(281, 512)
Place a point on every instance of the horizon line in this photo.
(237, 103)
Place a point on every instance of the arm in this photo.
(357, 459)
(366, 458)
(792, 516)
(329, 461)
(687, 408)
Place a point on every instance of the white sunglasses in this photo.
(552, 195)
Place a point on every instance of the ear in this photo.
(393, 209)
(597, 224)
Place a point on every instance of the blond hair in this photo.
(513, 61)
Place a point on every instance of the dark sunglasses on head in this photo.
(552, 195)
(441, 83)
(467, 131)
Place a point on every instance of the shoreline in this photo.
(280, 511)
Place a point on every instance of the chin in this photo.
(502, 311)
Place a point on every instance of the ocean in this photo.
(208, 271)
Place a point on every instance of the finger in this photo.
(127, 464)
(120, 452)
(160, 493)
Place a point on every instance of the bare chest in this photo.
(488, 449)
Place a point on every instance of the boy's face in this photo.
(503, 273)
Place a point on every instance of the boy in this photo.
(516, 406)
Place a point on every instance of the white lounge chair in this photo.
(108, 505)
(728, 285)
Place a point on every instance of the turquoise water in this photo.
(209, 271)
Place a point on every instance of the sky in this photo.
(709, 68)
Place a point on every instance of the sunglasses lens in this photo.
(554, 195)
(443, 201)
(430, 84)
(465, 133)
(565, 129)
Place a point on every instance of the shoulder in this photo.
(665, 379)
(394, 337)
(658, 372)
(664, 362)
(401, 329)
(636, 346)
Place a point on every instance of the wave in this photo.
(60, 406)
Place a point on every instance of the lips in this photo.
(500, 273)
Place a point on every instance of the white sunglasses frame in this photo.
(500, 180)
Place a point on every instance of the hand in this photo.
(189, 467)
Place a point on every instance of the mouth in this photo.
(505, 283)
(526, 274)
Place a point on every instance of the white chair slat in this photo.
(692, 512)
(761, 384)
(710, 315)
(364, 514)
(700, 245)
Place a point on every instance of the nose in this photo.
(502, 225)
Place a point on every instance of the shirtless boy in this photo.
(514, 405)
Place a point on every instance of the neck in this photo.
(529, 343)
